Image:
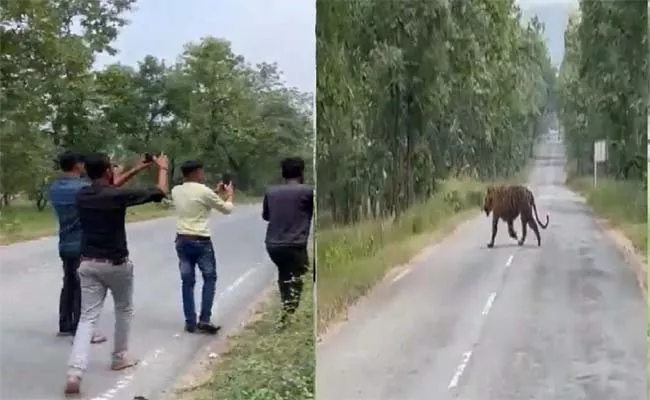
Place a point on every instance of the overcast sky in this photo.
(281, 31)
(529, 3)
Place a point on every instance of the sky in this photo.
(554, 14)
(281, 31)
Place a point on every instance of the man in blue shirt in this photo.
(62, 193)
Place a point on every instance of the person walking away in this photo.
(193, 201)
(62, 192)
(105, 263)
(289, 208)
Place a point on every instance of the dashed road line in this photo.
(459, 370)
(453, 384)
(488, 304)
(128, 379)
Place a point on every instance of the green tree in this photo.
(412, 92)
(602, 86)
(210, 104)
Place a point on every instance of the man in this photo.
(104, 257)
(62, 192)
(289, 208)
(193, 201)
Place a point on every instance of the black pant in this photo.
(70, 299)
(292, 263)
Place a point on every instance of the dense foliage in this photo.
(603, 86)
(209, 104)
(411, 92)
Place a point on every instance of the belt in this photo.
(197, 238)
(117, 261)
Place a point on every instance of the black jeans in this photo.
(292, 263)
(70, 299)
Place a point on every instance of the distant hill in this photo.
(555, 16)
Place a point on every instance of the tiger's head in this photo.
(488, 200)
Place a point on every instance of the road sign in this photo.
(600, 151)
(600, 155)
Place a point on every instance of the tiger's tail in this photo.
(532, 202)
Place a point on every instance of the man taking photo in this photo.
(194, 201)
(105, 263)
(289, 208)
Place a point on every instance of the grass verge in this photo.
(263, 363)
(623, 203)
(353, 259)
(22, 221)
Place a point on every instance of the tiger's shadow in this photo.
(511, 245)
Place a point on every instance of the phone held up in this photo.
(148, 157)
(226, 179)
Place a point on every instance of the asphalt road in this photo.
(564, 321)
(33, 360)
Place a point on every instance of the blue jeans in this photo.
(193, 253)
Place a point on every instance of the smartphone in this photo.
(226, 179)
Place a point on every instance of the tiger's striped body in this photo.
(507, 202)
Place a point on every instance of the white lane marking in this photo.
(401, 275)
(468, 354)
(126, 381)
(238, 281)
(488, 304)
(459, 370)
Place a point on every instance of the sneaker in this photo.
(65, 333)
(72, 385)
(190, 328)
(208, 327)
(123, 361)
(97, 338)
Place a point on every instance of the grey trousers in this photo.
(96, 279)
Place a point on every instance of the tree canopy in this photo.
(603, 86)
(411, 92)
(208, 104)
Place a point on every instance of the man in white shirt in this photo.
(194, 201)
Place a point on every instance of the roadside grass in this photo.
(22, 221)
(623, 203)
(263, 363)
(353, 259)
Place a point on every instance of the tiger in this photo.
(507, 202)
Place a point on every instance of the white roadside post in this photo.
(600, 155)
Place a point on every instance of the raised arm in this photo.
(120, 177)
(214, 201)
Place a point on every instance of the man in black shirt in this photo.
(104, 257)
(289, 208)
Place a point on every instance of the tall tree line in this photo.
(412, 92)
(209, 104)
(603, 86)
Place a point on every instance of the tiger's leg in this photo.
(495, 223)
(524, 221)
(533, 226)
(511, 229)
